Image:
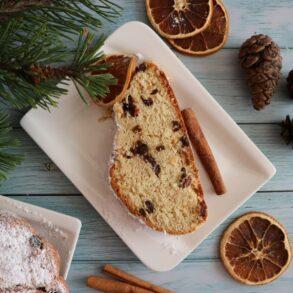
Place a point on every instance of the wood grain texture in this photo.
(37, 174)
(98, 245)
(33, 177)
(98, 242)
(223, 78)
(189, 277)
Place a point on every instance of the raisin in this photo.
(142, 212)
(141, 67)
(184, 141)
(156, 168)
(185, 180)
(127, 156)
(148, 102)
(150, 159)
(136, 129)
(155, 91)
(176, 126)
(183, 171)
(160, 148)
(140, 148)
(129, 107)
(149, 206)
(35, 241)
(43, 289)
(203, 210)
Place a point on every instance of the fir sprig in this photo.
(87, 61)
(28, 76)
(20, 49)
(60, 15)
(8, 160)
(36, 61)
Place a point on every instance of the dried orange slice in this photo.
(122, 68)
(255, 249)
(210, 40)
(176, 19)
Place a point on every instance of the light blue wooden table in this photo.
(202, 271)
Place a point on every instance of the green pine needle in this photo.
(38, 48)
(20, 48)
(86, 61)
(8, 160)
(36, 61)
(61, 15)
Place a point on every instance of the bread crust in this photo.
(201, 208)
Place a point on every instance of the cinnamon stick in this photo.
(130, 279)
(110, 286)
(204, 151)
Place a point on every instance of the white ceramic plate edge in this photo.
(267, 167)
(54, 217)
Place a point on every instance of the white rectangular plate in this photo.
(79, 140)
(59, 229)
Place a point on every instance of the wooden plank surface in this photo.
(223, 78)
(98, 244)
(189, 277)
(247, 17)
(33, 176)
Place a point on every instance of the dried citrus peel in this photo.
(122, 68)
(255, 249)
(179, 18)
(210, 40)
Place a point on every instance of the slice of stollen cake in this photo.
(153, 170)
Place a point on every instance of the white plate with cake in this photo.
(79, 139)
(38, 245)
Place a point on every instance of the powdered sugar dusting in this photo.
(171, 247)
(140, 58)
(175, 20)
(172, 244)
(23, 263)
(51, 228)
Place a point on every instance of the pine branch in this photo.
(60, 15)
(33, 59)
(87, 57)
(27, 76)
(35, 64)
(8, 160)
(20, 47)
(86, 61)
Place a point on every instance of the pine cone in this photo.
(261, 59)
(287, 130)
(290, 83)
